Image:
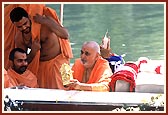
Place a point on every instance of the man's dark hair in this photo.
(12, 53)
(17, 13)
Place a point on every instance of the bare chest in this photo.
(27, 39)
(86, 76)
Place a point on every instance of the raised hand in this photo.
(36, 45)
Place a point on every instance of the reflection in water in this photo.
(135, 29)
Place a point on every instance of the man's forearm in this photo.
(56, 28)
(30, 56)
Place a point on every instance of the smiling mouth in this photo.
(26, 31)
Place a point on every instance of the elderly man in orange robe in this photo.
(48, 40)
(18, 74)
(91, 72)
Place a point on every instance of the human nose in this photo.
(24, 62)
(23, 27)
(83, 55)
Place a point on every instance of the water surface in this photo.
(135, 29)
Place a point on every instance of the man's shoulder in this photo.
(102, 63)
(18, 37)
(102, 60)
(18, 34)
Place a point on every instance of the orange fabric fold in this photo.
(9, 33)
(7, 81)
(27, 78)
(100, 74)
(49, 75)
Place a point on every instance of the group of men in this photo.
(37, 28)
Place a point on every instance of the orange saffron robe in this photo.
(27, 78)
(100, 74)
(7, 81)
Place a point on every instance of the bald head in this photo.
(90, 53)
(92, 44)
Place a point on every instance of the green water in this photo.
(135, 29)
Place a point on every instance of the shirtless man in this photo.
(48, 44)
